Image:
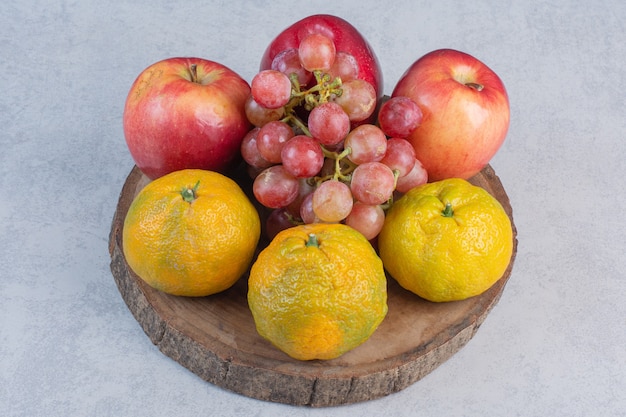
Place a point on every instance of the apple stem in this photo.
(193, 70)
(475, 86)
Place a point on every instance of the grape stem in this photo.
(396, 175)
(341, 173)
(291, 118)
(292, 219)
(387, 205)
(323, 90)
(325, 87)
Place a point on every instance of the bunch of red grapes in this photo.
(314, 153)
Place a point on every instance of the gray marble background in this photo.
(553, 346)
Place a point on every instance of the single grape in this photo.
(328, 168)
(417, 176)
(358, 99)
(372, 183)
(317, 52)
(307, 215)
(332, 201)
(305, 188)
(367, 143)
(399, 116)
(366, 219)
(274, 187)
(253, 172)
(272, 138)
(345, 67)
(271, 89)
(277, 221)
(288, 62)
(259, 115)
(302, 156)
(337, 147)
(400, 156)
(328, 123)
(250, 152)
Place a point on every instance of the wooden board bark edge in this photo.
(220, 365)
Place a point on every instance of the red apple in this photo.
(185, 113)
(465, 113)
(345, 37)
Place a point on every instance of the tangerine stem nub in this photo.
(312, 240)
(447, 211)
(190, 194)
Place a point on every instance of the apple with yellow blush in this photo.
(465, 110)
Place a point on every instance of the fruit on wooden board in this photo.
(191, 233)
(446, 241)
(338, 170)
(317, 291)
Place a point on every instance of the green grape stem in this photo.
(324, 89)
(396, 175)
(343, 174)
(296, 122)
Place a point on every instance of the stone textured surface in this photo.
(554, 344)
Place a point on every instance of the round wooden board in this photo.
(215, 337)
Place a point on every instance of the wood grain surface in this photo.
(215, 337)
